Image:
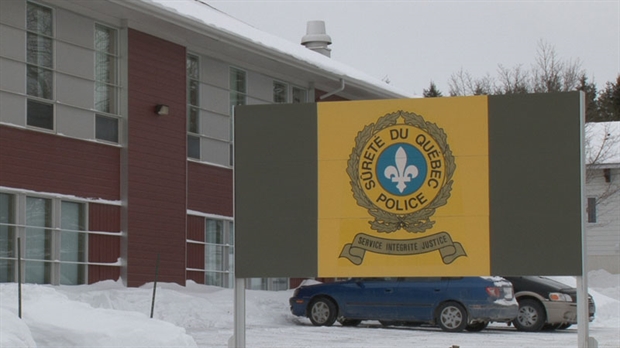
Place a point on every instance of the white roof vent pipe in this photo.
(316, 39)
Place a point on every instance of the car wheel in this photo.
(349, 322)
(322, 312)
(477, 327)
(452, 317)
(531, 316)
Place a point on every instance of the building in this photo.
(603, 196)
(116, 134)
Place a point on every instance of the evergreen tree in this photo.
(592, 108)
(609, 101)
(432, 91)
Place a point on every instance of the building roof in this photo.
(602, 142)
(199, 13)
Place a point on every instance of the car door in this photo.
(418, 297)
(370, 298)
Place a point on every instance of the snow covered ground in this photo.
(107, 314)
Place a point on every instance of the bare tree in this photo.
(512, 81)
(462, 83)
(552, 74)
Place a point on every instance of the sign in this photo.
(410, 187)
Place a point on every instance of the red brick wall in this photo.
(196, 252)
(157, 161)
(103, 248)
(49, 163)
(210, 189)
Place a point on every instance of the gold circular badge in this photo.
(401, 171)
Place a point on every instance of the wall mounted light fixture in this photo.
(162, 110)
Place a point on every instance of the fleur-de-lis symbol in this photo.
(401, 173)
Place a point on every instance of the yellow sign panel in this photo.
(403, 187)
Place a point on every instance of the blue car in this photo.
(452, 303)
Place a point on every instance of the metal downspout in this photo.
(327, 95)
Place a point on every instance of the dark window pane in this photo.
(192, 93)
(591, 210)
(106, 128)
(280, 92)
(40, 114)
(192, 121)
(192, 67)
(193, 147)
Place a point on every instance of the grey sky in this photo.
(414, 42)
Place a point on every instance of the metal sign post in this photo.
(238, 338)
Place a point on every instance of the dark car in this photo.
(453, 304)
(546, 304)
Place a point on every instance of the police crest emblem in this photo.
(401, 171)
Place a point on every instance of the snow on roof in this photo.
(203, 14)
(602, 141)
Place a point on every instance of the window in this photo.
(53, 235)
(106, 83)
(219, 253)
(273, 284)
(237, 97)
(106, 128)
(591, 209)
(7, 238)
(193, 104)
(300, 95)
(237, 88)
(40, 65)
(280, 92)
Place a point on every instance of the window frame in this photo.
(591, 212)
(33, 120)
(114, 85)
(223, 270)
(193, 109)
(53, 265)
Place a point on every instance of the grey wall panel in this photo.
(215, 125)
(13, 109)
(75, 29)
(215, 151)
(215, 99)
(13, 13)
(75, 91)
(75, 60)
(13, 77)
(12, 43)
(259, 87)
(278, 139)
(535, 176)
(76, 123)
